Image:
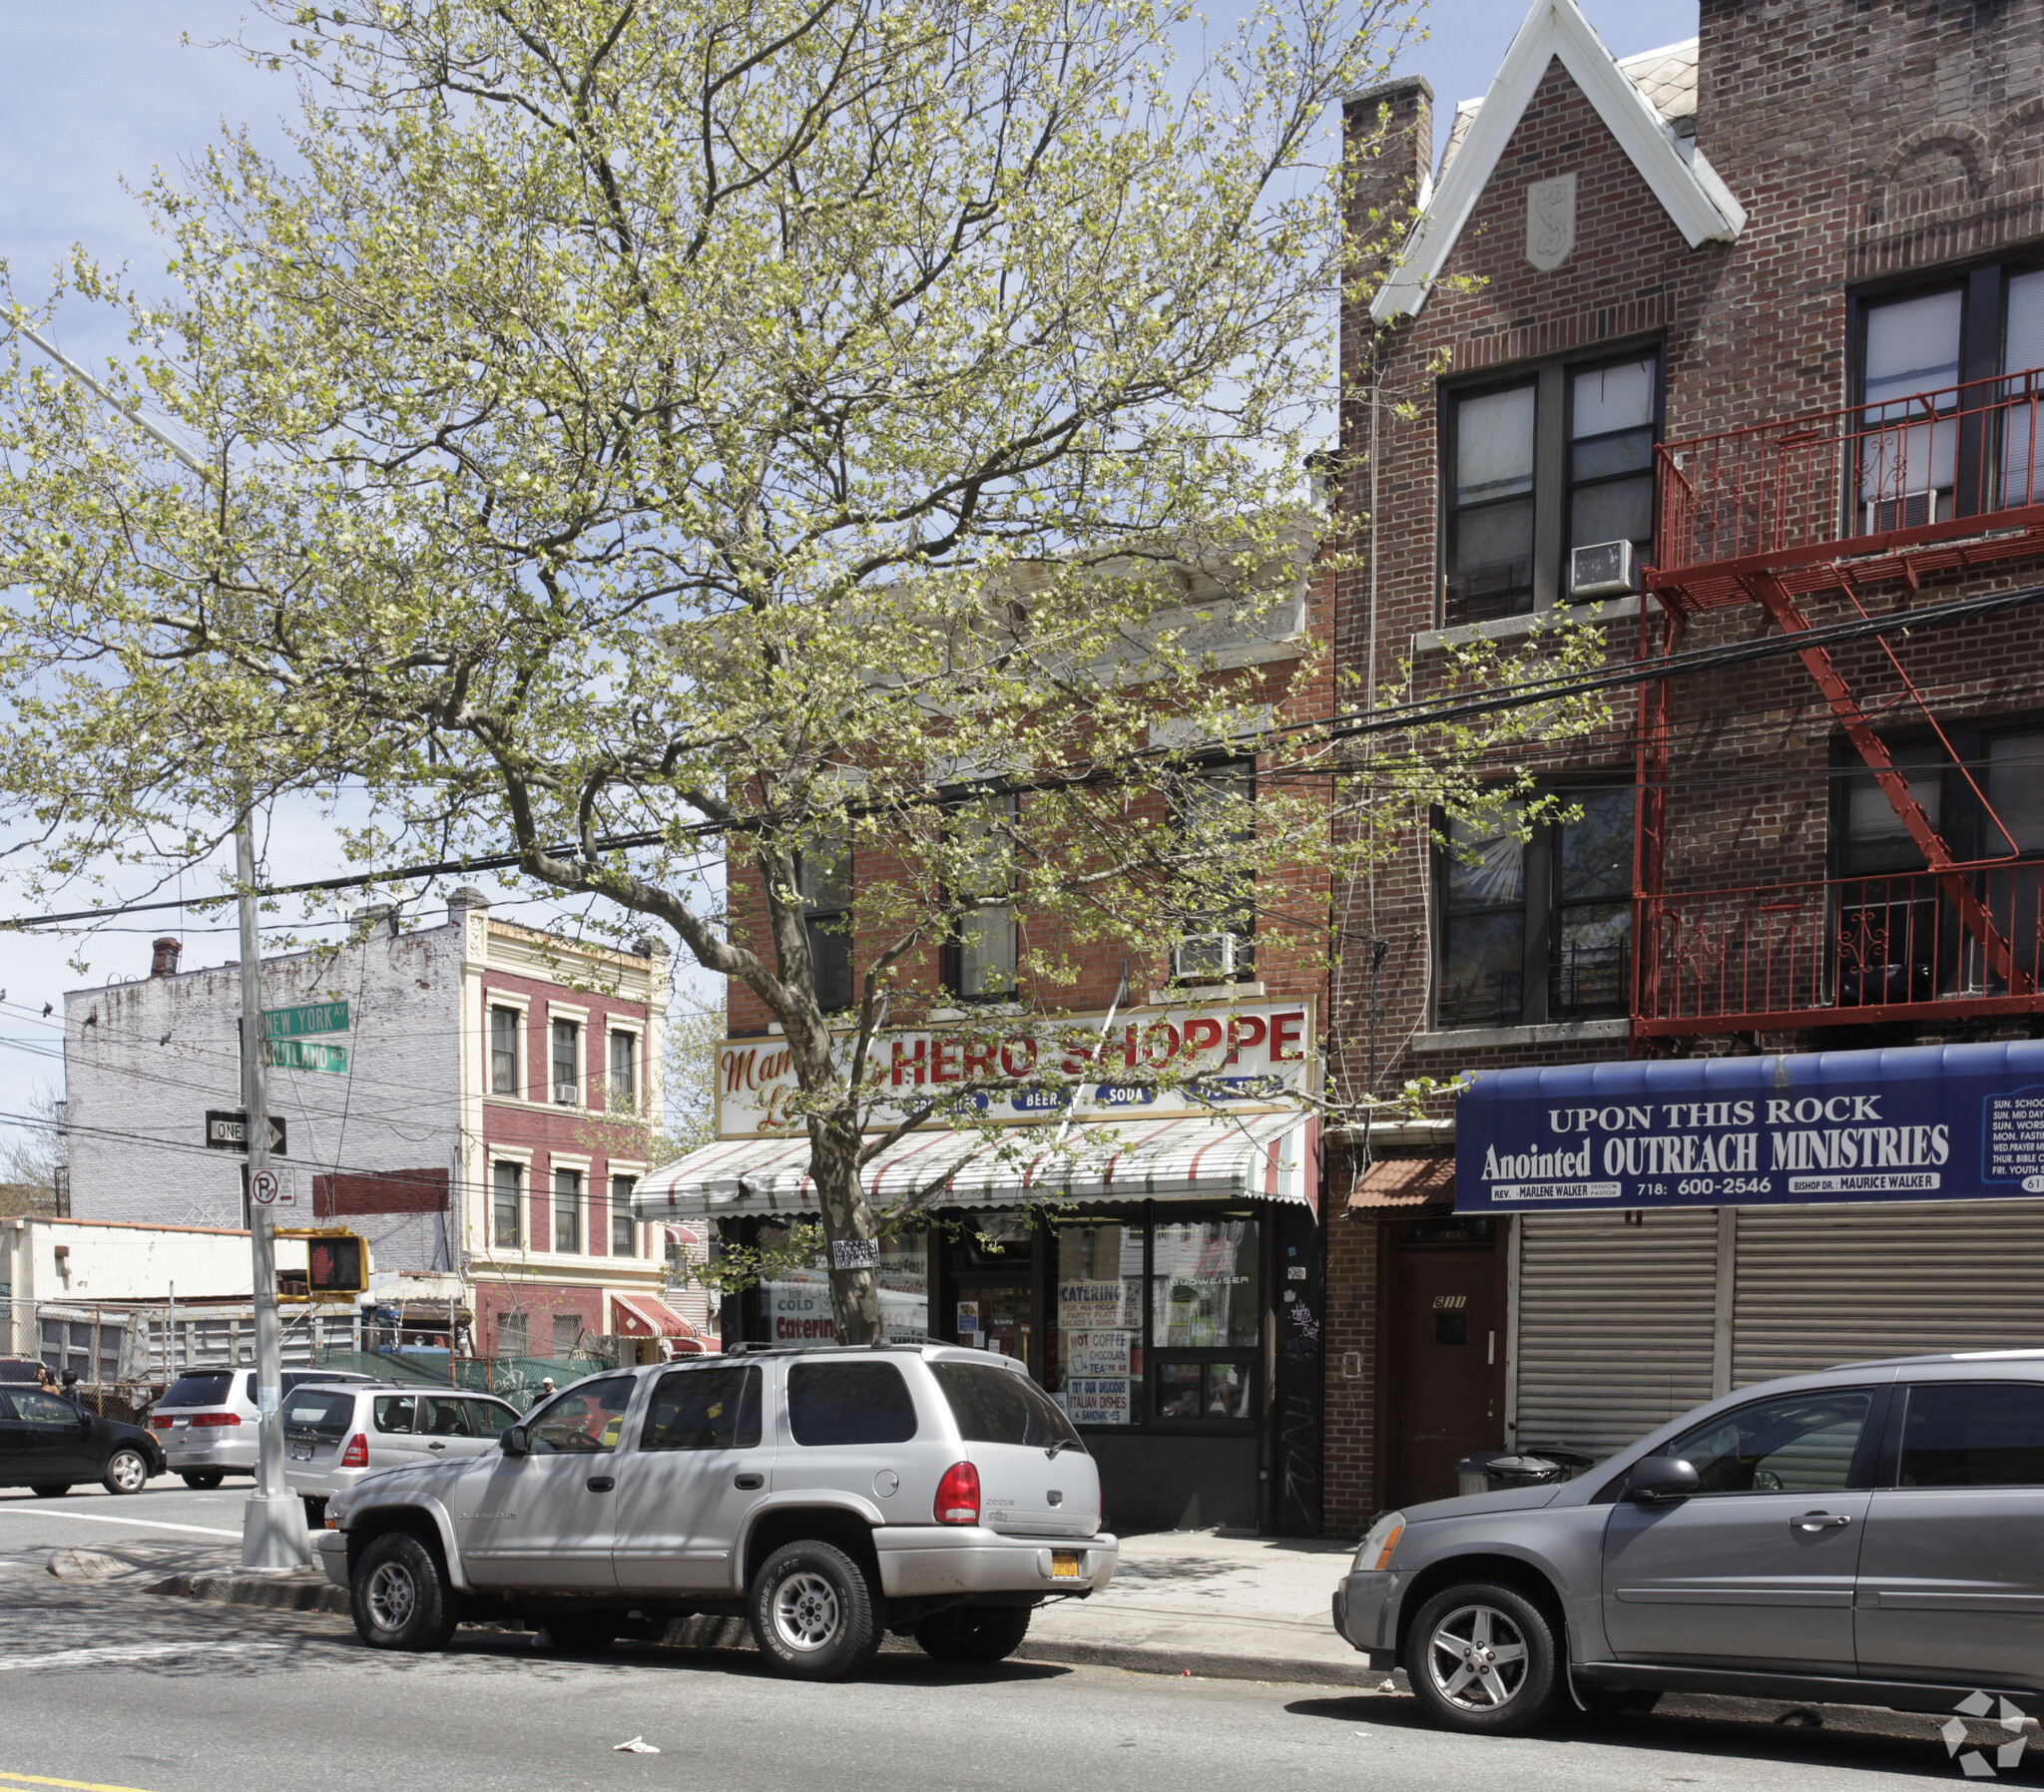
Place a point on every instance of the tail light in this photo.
(160, 1423)
(200, 1419)
(356, 1454)
(958, 1495)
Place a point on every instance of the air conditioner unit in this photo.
(1603, 569)
(1203, 958)
(567, 1095)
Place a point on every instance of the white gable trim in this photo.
(1697, 202)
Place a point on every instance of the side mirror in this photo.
(1660, 1479)
(512, 1441)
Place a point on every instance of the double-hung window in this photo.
(1951, 379)
(980, 964)
(1219, 819)
(1536, 921)
(624, 1091)
(507, 1205)
(567, 1066)
(567, 1210)
(1562, 458)
(623, 1230)
(822, 875)
(503, 1051)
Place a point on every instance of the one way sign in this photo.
(226, 1129)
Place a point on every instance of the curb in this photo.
(276, 1592)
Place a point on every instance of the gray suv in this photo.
(1871, 1536)
(829, 1495)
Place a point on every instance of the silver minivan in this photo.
(829, 1495)
(337, 1435)
(1871, 1535)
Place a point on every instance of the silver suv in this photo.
(337, 1435)
(1871, 1536)
(828, 1495)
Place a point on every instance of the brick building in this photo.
(1751, 317)
(443, 1093)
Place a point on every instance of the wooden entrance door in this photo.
(1447, 1361)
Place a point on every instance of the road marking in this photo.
(35, 1779)
(23, 1509)
(126, 1651)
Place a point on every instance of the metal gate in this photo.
(1614, 1324)
(1818, 1286)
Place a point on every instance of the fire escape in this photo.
(1823, 506)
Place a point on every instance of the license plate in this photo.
(302, 1452)
(1066, 1564)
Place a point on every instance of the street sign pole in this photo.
(273, 1517)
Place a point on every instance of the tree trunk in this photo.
(848, 1218)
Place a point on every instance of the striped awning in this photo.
(1264, 1157)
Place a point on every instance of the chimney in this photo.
(1389, 135)
(460, 900)
(373, 919)
(163, 956)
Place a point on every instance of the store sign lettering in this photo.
(1922, 1124)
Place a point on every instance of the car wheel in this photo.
(973, 1635)
(1482, 1658)
(205, 1480)
(126, 1471)
(398, 1595)
(813, 1613)
(50, 1490)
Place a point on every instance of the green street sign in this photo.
(313, 1016)
(304, 1054)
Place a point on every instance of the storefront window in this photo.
(1203, 1285)
(1100, 1321)
(795, 1306)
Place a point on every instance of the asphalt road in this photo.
(106, 1685)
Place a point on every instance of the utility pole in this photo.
(273, 1517)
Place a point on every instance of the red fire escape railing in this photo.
(1766, 516)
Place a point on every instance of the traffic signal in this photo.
(336, 1262)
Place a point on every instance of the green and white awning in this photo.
(1263, 1157)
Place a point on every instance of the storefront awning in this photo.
(1404, 1186)
(647, 1316)
(1908, 1123)
(1267, 1156)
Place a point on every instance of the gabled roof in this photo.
(1687, 186)
(1667, 78)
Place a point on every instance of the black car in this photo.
(48, 1443)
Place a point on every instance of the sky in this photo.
(94, 97)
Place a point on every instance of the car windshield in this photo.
(999, 1406)
(200, 1390)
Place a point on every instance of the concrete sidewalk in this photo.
(1183, 1602)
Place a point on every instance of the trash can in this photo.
(1492, 1470)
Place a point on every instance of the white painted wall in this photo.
(128, 1262)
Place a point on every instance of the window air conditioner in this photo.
(566, 1095)
(1604, 570)
(1203, 957)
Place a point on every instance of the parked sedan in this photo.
(48, 1443)
(1871, 1536)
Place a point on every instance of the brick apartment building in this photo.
(1763, 306)
(444, 1091)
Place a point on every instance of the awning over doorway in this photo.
(1404, 1186)
(647, 1316)
(1910, 1124)
(1267, 1156)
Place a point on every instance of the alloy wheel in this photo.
(805, 1611)
(1476, 1658)
(128, 1471)
(392, 1595)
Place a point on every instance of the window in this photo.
(582, 1419)
(997, 1406)
(1983, 1434)
(567, 1067)
(507, 1204)
(490, 1418)
(848, 1403)
(1538, 928)
(514, 1336)
(822, 875)
(623, 1230)
(704, 1409)
(1205, 1295)
(45, 1410)
(444, 1415)
(1561, 458)
(567, 1334)
(325, 1415)
(1795, 1443)
(624, 1092)
(395, 1413)
(1219, 817)
(980, 960)
(567, 1210)
(1941, 435)
(503, 1051)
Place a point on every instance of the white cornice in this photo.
(1689, 190)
